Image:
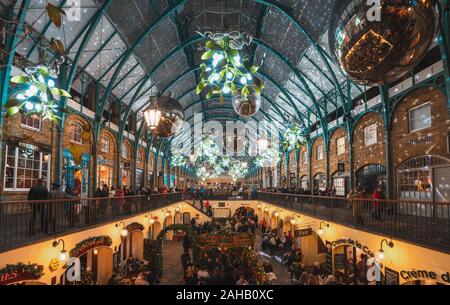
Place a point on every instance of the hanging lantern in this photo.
(246, 106)
(152, 115)
(164, 116)
(375, 44)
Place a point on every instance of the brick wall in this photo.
(318, 166)
(334, 157)
(430, 141)
(375, 153)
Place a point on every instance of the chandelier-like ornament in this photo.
(378, 43)
(293, 138)
(268, 158)
(164, 117)
(226, 73)
(246, 106)
(37, 94)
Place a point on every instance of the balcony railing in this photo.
(30, 221)
(427, 223)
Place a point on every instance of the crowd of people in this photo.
(134, 272)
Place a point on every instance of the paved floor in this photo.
(173, 270)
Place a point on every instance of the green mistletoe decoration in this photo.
(225, 73)
(36, 94)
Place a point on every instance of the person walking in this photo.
(56, 209)
(37, 193)
(357, 205)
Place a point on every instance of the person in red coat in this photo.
(376, 203)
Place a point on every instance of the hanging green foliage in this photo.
(293, 138)
(226, 73)
(36, 94)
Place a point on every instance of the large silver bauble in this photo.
(374, 45)
(171, 117)
(246, 107)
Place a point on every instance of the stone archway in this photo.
(168, 222)
(158, 260)
(154, 230)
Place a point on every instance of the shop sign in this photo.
(303, 232)
(89, 244)
(127, 166)
(391, 277)
(29, 146)
(53, 265)
(353, 243)
(414, 275)
(421, 140)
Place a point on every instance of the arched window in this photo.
(75, 133)
(418, 175)
(125, 151)
(104, 144)
(140, 156)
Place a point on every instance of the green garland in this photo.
(135, 226)
(90, 243)
(36, 271)
(155, 256)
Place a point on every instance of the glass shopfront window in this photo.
(105, 175)
(76, 176)
(139, 178)
(420, 117)
(24, 165)
(320, 182)
(415, 177)
(370, 177)
(304, 182)
(341, 183)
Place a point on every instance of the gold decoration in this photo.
(77, 153)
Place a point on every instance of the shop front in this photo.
(320, 182)
(139, 178)
(304, 183)
(95, 258)
(24, 164)
(424, 178)
(125, 169)
(105, 172)
(76, 175)
(370, 177)
(341, 182)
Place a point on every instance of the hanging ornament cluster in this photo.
(380, 42)
(293, 138)
(267, 158)
(36, 94)
(210, 162)
(226, 73)
(178, 160)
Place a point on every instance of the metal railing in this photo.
(427, 223)
(30, 221)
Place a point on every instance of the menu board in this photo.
(391, 277)
(303, 232)
(339, 261)
(329, 257)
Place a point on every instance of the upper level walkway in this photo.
(425, 223)
(24, 222)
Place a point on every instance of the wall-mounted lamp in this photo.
(380, 254)
(151, 221)
(320, 231)
(276, 214)
(258, 206)
(95, 251)
(124, 232)
(266, 210)
(166, 212)
(293, 222)
(177, 209)
(63, 256)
